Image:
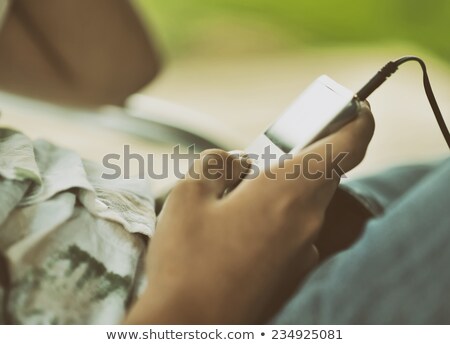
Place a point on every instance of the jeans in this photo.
(398, 271)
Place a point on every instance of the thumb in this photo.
(217, 170)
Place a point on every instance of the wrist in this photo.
(177, 307)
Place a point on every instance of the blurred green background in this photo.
(230, 27)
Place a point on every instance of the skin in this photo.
(236, 257)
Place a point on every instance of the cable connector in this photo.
(377, 80)
(388, 70)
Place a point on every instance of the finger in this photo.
(351, 142)
(321, 164)
(332, 156)
(217, 170)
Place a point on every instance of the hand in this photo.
(235, 258)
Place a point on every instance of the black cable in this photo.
(388, 70)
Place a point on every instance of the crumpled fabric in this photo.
(71, 243)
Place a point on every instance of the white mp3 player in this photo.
(320, 110)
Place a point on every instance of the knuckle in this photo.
(213, 159)
(189, 188)
(214, 153)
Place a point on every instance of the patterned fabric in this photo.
(71, 243)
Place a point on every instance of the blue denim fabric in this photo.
(398, 272)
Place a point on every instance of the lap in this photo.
(397, 272)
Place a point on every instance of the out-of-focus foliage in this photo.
(188, 27)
